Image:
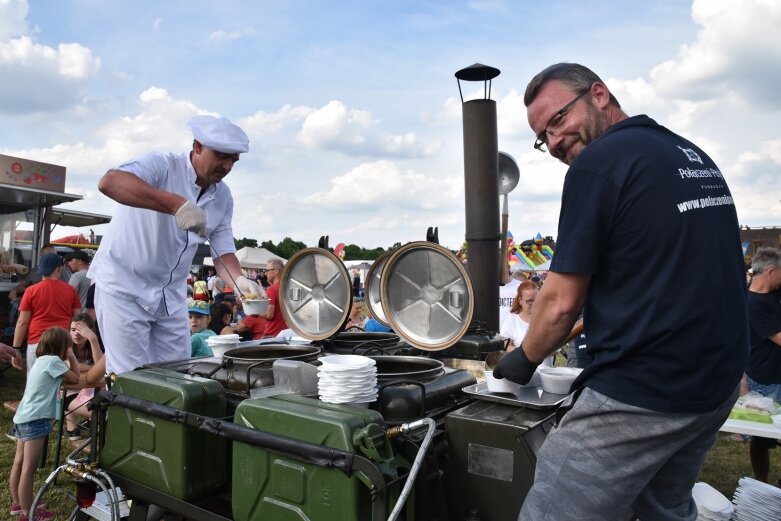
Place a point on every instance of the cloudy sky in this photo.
(352, 107)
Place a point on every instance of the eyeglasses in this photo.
(529, 301)
(556, 120)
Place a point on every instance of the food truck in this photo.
(29, 194)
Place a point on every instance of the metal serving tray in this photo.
(528, 397)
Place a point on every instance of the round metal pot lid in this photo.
(427, 295)
(315, 293)
(373, 278)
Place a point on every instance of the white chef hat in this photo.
(219, 134)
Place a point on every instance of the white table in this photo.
(766, 430)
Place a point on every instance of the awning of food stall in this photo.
(76, 219)
(14, 198)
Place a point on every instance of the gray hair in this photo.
(274, 264)
(764, 259)
(579, 77)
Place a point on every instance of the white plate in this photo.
(340, 373)
(346, 362)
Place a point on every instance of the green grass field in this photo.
(727, 462)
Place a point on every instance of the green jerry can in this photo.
(270, 486)
(175, 459)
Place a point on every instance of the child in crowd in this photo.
(356, 318)
(86, 347)
(33, 419)
(221, 317)
(198, 311)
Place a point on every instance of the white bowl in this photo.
(255, 306)
(223, 339)
(500, 385)
(776, 420)
(557, 380)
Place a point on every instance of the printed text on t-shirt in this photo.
(705, 202)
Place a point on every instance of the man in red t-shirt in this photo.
(50, 302)
(276, 322)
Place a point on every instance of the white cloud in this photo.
(382, 185)
(76, 61)
(221, 35)
(352, 131)
(264, 123)
(38, 77)
(737, 47)
(511, 116)
(755, 181)
(13, 18)
(159, 125)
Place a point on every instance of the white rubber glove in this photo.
(192, 218)
(250, 287)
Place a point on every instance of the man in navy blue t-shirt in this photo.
(649, 250)
(764, 362)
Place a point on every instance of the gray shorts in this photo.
(611, 461)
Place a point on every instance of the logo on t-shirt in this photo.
(691, 155)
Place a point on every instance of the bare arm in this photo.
(776, 339)
(130, 190)
(22, 323)
(231, 262)
(97, 372)
(92, 338)
(555, 311)
(72, 376)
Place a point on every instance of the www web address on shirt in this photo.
(705, 202)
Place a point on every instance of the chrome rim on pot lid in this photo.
(427, 295)
(315, 293)
(373, 278)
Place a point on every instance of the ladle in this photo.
(508, 180)
(222, 263)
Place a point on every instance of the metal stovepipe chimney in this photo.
(481, 196)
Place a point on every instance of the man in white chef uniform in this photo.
(169, 204)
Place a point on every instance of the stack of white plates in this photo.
(219, 344)
(347, 379)
(712, 505)
(756, 501)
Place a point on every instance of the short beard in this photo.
(593, 127)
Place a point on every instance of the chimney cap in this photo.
(478, 72)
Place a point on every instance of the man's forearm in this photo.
(548, 331)
(555, 311)
(127, 189)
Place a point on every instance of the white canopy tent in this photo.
(252, 258)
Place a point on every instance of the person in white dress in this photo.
(516, 323)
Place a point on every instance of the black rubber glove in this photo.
(515, 367)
